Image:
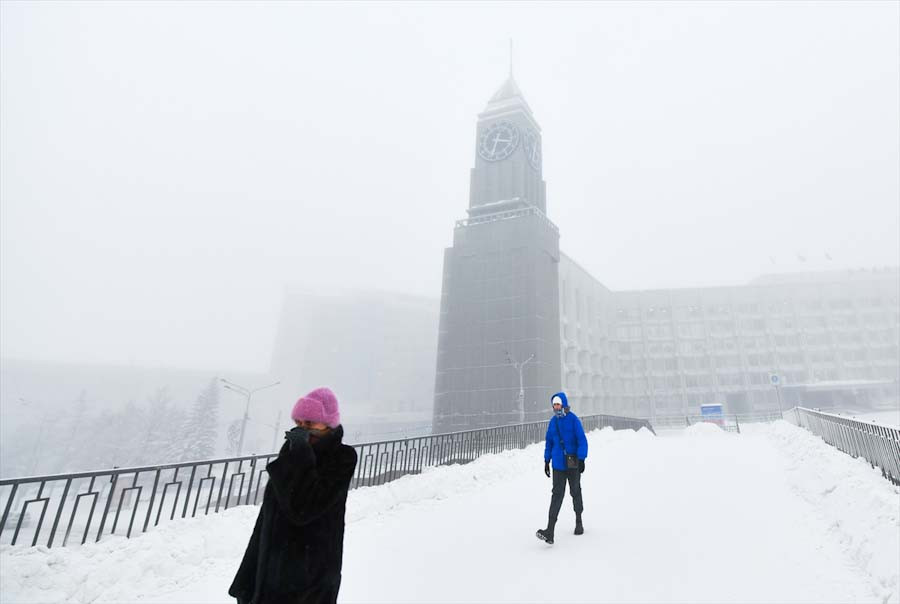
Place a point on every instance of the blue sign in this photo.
(711, 410)
(712, 413)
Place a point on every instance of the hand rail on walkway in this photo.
(63, 509)
(876, 443)
(730, 422)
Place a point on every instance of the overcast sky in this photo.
(167, 168)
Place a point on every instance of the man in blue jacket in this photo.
(566, 447)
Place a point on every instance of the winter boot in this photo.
(579, 528)
(547, 533)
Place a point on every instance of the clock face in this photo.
(532, 148)
(498, 141)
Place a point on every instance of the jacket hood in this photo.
(562, 397)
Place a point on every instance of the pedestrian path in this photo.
(693, 515)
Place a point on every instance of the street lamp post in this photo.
(275, 427)
(519, 367)
(248, 393)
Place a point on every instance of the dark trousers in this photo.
(560, 477)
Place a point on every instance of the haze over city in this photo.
(168, 169)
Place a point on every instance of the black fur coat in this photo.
(296, 549)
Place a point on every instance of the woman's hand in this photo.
(296, 437)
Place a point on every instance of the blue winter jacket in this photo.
(572, 434)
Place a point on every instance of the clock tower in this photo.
(498, 357)
(508, 162)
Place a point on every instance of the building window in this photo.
(577, 305)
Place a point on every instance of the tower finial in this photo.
(510, 59)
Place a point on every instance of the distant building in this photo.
(509, 296)
(661, 352)
(374, 349)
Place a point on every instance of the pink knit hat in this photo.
(320, 405)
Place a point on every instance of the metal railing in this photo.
(730, 422)
(876, 443)
(506, 215)
(68, 508)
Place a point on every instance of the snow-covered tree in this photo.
(116, 438)
(234, 436)
(77, 440)
(142, 435)
(199, 431)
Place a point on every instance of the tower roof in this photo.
(508, 96)
(508, 90)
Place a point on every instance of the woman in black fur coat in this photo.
(295, 552)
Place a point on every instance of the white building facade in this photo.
(658, 353)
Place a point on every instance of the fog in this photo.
(168, 168)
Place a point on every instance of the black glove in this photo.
(547, 468)
(581, 466)
(296, 437)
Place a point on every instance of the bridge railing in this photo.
(876, 443)
(730, 422)
(66, 509)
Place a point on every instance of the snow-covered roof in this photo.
(826, 276)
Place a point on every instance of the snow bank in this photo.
(705, 430)
(860, 507)
(122, 570)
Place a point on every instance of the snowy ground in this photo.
(695, 515)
